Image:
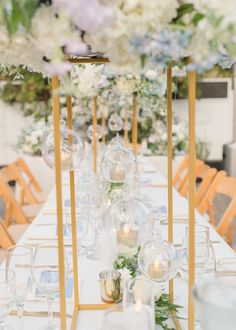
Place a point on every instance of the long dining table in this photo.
(44, 229)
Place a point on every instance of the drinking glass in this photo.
(81, 229)
(46, 277)
(201, 248)
(216, 301)
(226, 267)
(19, 260)
(5, 297)
(202, 233)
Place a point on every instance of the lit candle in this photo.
(139, 317)
(117, 174)
(155, 270)
(127, 236)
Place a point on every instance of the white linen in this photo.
(88, 269)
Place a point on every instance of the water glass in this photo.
(216, 301)
(45, 271)
(81, 229)
(5, 297)
(226, 267)
(19, 259)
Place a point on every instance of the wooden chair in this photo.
(183, 190)
(206, 205)
(225, 185)
(32, 183)
(206, 174)
(14, 211)
(9, 236)
(181, 173)
(180, 180)
(12, 173)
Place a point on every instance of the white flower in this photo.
(125, 274)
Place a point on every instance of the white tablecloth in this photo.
(88, 270)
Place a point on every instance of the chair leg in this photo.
(8, 215)
(229, 235)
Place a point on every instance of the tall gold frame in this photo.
(56, 122)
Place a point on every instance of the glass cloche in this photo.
(115, 123)
(71, 146)
(90, 132)
(158, 260)
(118, 165)
(128, 224)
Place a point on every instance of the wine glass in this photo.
(45, 271)
(81, 228)
(19, 260)
(95, 206)
(5, 296)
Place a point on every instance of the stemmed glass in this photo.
(95, 207)
(19, 260)
(5, 296)
(81, 228)
(45, 271)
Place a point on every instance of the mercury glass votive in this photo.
(110, 286)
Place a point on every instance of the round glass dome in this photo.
(90, 132)
(71, 146)
(115, 123)
(128, 224)
(158, 260)
(118, 165)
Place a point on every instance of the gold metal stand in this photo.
(73, 212)
(103, 128)
(192, 156)
(95, 121)
(56, 120)
(126, 133)
(170, 174)
(135, 124)
(60, 229)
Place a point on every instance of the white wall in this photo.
(214, 119)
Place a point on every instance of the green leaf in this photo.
(197, 17)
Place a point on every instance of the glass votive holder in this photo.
(139, 304)
(216, 301)
(110, 286)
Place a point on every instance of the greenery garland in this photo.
(164, 309)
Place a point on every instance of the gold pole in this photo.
(95, 134)
(192, 156)
(103, 128)
(73, 212)
(135, 123)
(126, 135)
(56, 122)
(170, 173)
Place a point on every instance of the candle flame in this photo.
(138, 305)
(156, 264)
(126, 229)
